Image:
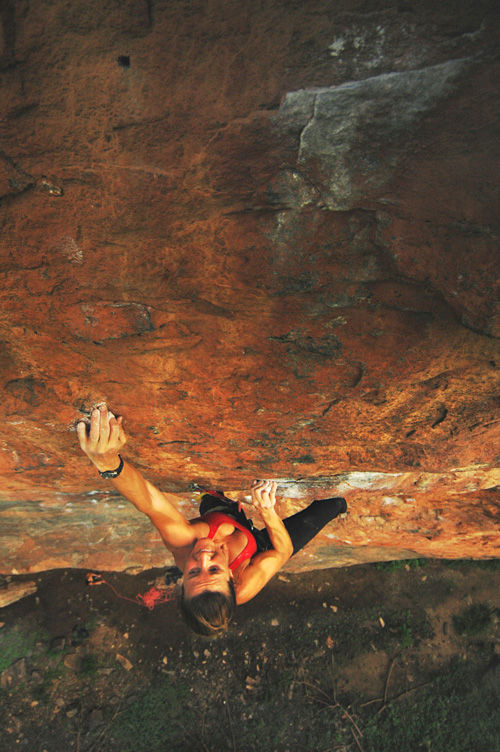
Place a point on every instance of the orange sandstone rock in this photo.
(267, 235)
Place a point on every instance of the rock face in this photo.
(267, 235)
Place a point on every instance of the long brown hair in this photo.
(210, 612)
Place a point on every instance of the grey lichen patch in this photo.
(303, 459)
(291, 190)
(297, 109)
(345, 131)
(298, 342)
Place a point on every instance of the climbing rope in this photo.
(153, 597)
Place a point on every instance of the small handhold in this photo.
(50, 188)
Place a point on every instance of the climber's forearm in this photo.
(278, 533)
(132, 484)
(102, 442)
(264, 499)
(160, 507)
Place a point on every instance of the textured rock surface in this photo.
(267, 234)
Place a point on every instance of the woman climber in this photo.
(225, 560)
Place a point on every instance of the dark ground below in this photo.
(399, 656)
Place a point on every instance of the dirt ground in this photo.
(301, 667)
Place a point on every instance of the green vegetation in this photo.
(405, 628)
(41, 692)
(406, 632)
(455, 713)
(16, 643)
(349, 665)
(472, 620)
(89, 665)
(492, 565)
(157, 719)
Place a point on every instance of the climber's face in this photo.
(207, 568)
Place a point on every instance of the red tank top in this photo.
(215, 520)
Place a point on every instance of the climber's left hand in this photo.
(102, 439)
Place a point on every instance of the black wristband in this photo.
(112, 473)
